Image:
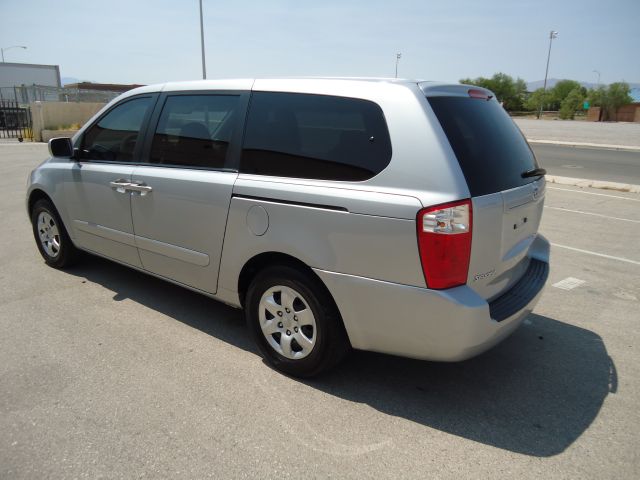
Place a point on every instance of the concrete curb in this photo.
(25, 142)
(605, 146)
(583, 182)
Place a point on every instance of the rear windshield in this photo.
(491, 151)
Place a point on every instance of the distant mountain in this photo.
(531, 86)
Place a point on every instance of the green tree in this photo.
(572, 102)
(520, 94)
(617, 95)
(507, 90)
(595, 96)
(561, 91)
(537, 99)
(610, 99)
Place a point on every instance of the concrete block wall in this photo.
(627, 113)
(59, 115)
(49, 134)
(593, 115)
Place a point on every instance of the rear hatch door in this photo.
(506, 186)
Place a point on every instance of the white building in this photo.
(24, 75)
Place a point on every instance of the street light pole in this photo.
(596, 71)
(398, 56)
(204, 67)
(8, 48)
(552, 34)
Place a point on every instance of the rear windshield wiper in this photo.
(536, 172)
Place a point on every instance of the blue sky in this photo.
(149, 41)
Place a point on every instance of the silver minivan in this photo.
(388, 215)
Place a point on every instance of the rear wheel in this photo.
(51, 237)
(294, 322)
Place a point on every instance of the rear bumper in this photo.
(441, 325)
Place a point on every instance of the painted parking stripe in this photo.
(593, 193)
(569, 283)
(609, 217)
(596, 254)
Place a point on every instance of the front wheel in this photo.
(294, 322)
(51, 237)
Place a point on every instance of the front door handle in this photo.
(139, 187)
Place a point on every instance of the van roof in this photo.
(326, 85)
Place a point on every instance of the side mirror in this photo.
(61, 147)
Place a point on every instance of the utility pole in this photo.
(204, 67)
(398, 56)
(8, 48)
(552, 34)
(598, 84)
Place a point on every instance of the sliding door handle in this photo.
(124, 186)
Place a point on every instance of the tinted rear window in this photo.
(194, 130)
(491, 151)
(315, 136)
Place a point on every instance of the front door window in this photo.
(115, 136)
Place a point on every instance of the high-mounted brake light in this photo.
(444, 241)
(475, 93)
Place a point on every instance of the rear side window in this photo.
(315, 136)
(491, 151)
(195, 130)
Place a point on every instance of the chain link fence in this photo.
(29, 111)
(26, 94)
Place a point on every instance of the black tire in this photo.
(331, 342)
(64, 254)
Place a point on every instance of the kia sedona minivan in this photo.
(394, 216)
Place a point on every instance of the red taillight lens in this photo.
(475, 93)
(444, 240)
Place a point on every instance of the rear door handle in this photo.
(121, 185)
(124, 186)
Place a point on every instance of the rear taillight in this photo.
(444, 240)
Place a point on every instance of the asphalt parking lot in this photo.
(109, 373)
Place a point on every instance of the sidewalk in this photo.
(580, 133)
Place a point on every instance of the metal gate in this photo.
(15, 121)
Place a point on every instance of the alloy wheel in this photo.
(287, 322)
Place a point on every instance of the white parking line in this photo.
(569, 283)
(592, 193)
(588, 252)
(593, 214)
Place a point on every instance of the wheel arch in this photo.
(38, 194)
(271, 259)
(264, 260)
